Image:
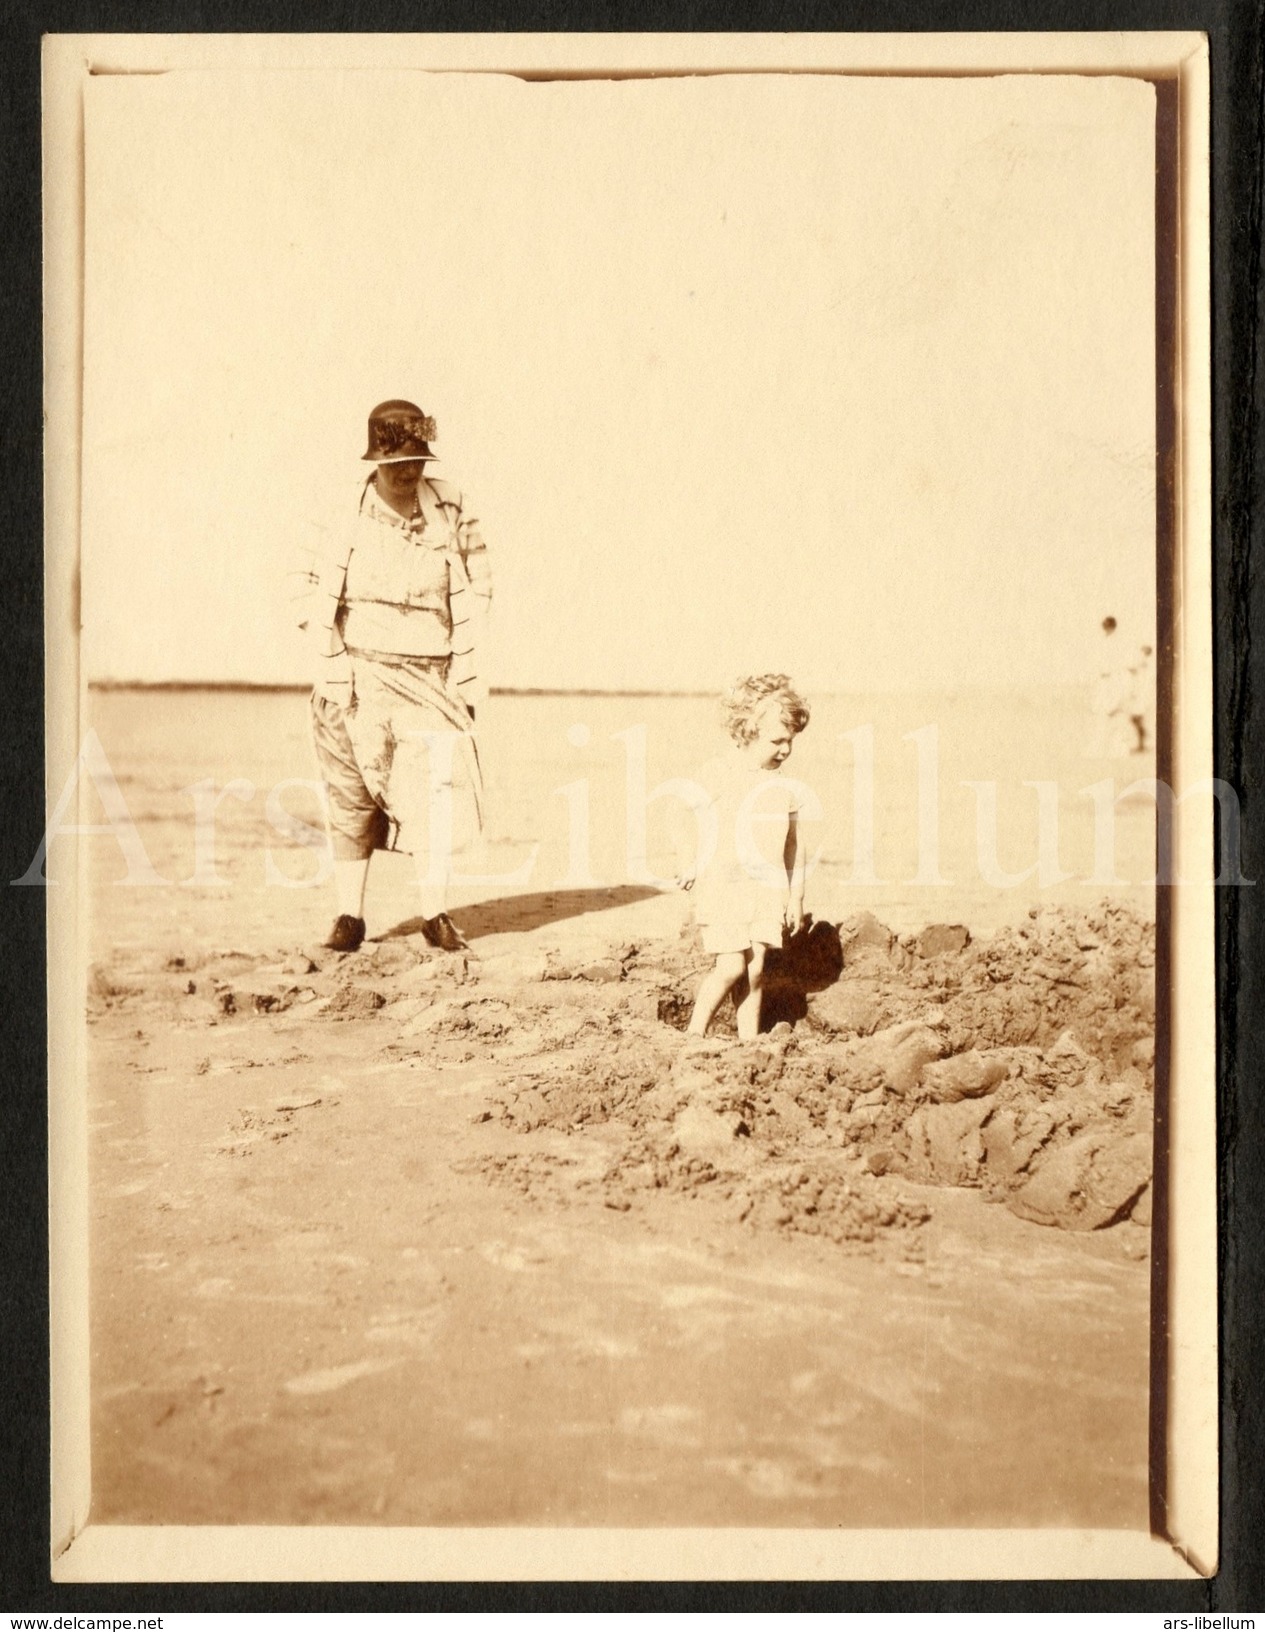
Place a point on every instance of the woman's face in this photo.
(400, 479)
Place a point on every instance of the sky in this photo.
(847, 377)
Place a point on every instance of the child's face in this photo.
(772, 742)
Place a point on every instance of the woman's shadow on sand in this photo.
(518, 913)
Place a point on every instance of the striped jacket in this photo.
(319, 585)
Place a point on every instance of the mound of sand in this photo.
(1020, 1065)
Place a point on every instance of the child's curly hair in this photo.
(748, 696)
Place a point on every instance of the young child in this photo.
(751, 885)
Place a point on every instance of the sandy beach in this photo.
(405, 1238)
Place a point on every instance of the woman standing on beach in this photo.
(397, 608)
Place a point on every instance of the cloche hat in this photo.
(399, 430)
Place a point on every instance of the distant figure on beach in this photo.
(1113, 733)
(750, 888)
(396, 608)
(1140, 701)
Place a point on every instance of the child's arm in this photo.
(683, 829)
(793, 855)
(689, 815)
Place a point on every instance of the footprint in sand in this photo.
(767, 1478)
(658, 1421)
(325, 1382)
(414, 1327)
(503, 1256)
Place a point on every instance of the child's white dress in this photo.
(741, 888)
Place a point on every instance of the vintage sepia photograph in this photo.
(630, 807)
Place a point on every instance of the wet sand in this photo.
(413, 1239)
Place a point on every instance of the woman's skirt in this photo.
(399, 762)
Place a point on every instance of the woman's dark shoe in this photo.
(347, 933)
(444, 934)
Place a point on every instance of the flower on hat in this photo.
(392, 434)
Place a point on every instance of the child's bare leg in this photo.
(726, 971)
(749, 1008)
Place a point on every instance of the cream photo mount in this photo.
(1187, 1378)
